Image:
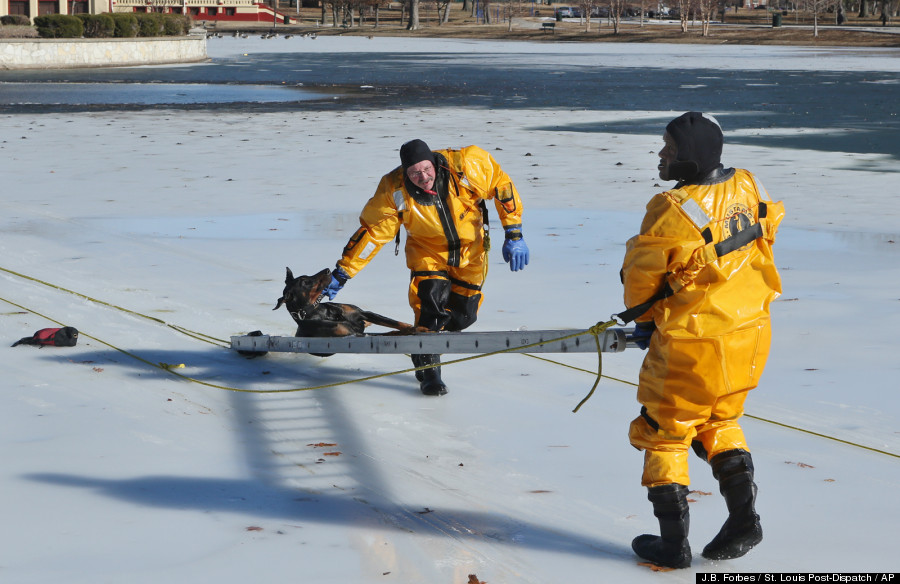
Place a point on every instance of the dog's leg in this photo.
(375, 318)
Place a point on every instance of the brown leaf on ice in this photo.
(473, 579)
(800, 464)
(331, 454)
(98, 369)
(701, 493)
(322, 444)
(654, 567)
(254, 528)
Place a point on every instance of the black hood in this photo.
(699, 139)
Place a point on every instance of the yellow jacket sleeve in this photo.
(379, 224)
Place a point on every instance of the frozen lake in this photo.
(118, 471)
(845, 98)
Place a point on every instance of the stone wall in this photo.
(70, 53)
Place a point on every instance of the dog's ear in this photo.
(289, 277)
(280, 302)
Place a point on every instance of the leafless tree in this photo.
(616, 7)
(443, 9)
(685, 8)
(376, 6)
(413, 15)
(586, 7)
(708, 8)
(349, 17)
(509, 9)
(818, 7)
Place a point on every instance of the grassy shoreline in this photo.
(751, 28)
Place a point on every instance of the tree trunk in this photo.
(863, 9)
(413, 15)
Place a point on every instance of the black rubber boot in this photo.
(429, 379)
(734, 471)
(671, 548)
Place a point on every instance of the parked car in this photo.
(565, 12)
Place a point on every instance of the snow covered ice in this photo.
(120, 222)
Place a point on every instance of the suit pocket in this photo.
(746, 352)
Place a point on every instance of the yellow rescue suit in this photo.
(445, 232)
(711, 244)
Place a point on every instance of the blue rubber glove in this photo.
(338, 278)
(515, 252)
(642, 333)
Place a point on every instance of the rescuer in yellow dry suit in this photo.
(702, 267)
(439, 198)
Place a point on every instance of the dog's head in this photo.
(302, 292)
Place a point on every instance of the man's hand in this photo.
(338, 279)
(515, 252)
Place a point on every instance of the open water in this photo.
(860, 105)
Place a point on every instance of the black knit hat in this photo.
(699, 139)
(414, 152)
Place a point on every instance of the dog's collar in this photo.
(302, 314)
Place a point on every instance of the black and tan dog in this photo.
(302, 297)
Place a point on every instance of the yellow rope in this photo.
(561, 364)
(193, 334)
(751, 416)
(595, 330)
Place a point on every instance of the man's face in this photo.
(667, 156)
(422, 175)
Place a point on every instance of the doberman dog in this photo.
(302, 296)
